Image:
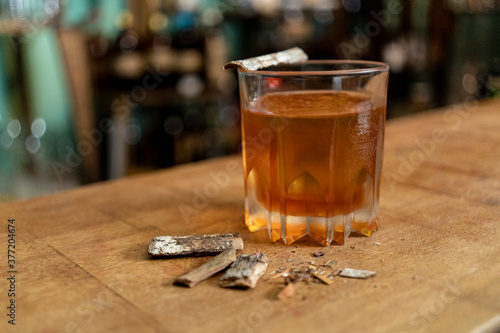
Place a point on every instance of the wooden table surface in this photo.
(82, 265)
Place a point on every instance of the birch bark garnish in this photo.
(162, 246)
(290, 56)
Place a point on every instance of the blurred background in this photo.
(92, 90)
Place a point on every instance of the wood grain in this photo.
(83, 265)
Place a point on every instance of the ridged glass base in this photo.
(306, 197)
(324, 230)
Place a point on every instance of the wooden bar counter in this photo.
(81, 260)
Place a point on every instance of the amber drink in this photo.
(312, 148)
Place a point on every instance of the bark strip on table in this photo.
(165, 246)
(245, 271)
(217, 264)
(290, 56)
(356, 273)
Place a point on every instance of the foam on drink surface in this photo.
(312, 162)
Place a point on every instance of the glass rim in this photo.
(376, 67)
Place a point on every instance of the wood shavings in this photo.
(218, 263)
(164, 246)
(323, 278)
(286, 292)
(300, 275)
(290, 56)
(284, 273)
(330, 263)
